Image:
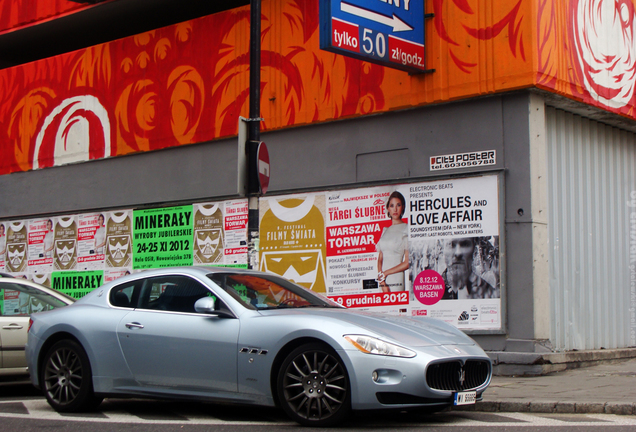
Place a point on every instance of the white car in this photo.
(19, 298)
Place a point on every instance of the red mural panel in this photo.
(189, 82)
(19, 13)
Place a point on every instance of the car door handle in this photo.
(134, 325)
(12, 327)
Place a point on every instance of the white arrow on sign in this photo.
(397, 24)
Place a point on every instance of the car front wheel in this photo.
(313, 386)
(67, 378)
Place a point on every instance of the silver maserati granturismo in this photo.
(219, 334)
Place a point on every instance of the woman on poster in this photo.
(48, 239)
(3, 242)
(100, 235)
(393, 252)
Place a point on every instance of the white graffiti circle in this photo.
(604, 37)
(77, 130)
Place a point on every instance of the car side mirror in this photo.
(205, 305)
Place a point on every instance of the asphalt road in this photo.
(23, 408)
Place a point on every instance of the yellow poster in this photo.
(292, 239)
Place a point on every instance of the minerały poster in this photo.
(292, 238)
(77, 283)
(454, 251)
(163, 237)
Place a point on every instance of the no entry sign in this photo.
(263, 166)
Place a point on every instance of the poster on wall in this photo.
(220, 233)
(40, 246)
(367, 249)
(162, 237)
(91, 239)
(209, 233)
(236, 216)
(65, 243)
(454, 251)
(77, 283)
(292, 238)
(118, 244)
(16, 255)
(3, 244)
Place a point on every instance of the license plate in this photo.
(465, 398)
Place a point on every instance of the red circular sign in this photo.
(428, 287)
(263, 166)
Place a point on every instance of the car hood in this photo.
(410, 331)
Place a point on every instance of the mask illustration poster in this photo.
(292, 239)
(118, 243)
(16, 255)
(209, 235)
(65, 243)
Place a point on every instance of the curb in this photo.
(535, 363)
(618, 408)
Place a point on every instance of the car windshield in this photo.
(268, 292)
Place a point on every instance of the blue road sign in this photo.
(388, 32)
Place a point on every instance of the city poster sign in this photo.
(387, 32)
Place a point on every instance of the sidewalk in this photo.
(606, 388)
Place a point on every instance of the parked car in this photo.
(18, 299)
(247, 337)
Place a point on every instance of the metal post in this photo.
(254, 133)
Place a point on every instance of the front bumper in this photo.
(402, 382)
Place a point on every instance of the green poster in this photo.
(162, 237)
(77, 283)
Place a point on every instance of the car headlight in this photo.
(371, 345)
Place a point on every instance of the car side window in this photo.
(20, 300)
(174, 294)
(125, 295)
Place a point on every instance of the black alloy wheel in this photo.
(67, 379)
(313, 386)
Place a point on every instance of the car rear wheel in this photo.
(313, 386)
(67, 378)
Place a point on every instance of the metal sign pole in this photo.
(254, 133)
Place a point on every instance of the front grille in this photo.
(455, 376)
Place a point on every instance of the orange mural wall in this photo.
(19, 13)
(586, 49)
(188, 83)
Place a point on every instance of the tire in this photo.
(313, 386)
(67, 379)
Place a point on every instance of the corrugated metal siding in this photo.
(591, 173)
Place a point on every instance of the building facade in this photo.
(518, 147)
